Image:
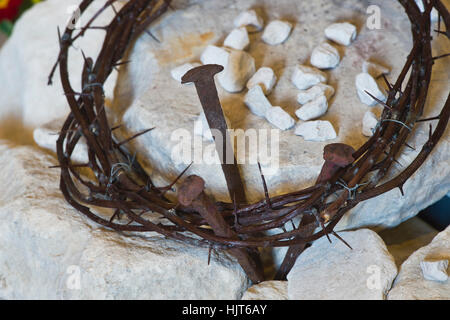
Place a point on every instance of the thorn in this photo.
(441, 32)
(389, 85)
(121, 63)
(340, 238)
(430, 134)
(266, 192)
(293, 225)
(116, 127)
(114, 8)
(116, 214)
(323, 226)
(441, 56)
(429, 119)
(169, 187)
(134, 137)
(209, 254)
(410, 146)
(393, 159)
(84, 165)
(378, 100)
(401, 190)
(153, 37)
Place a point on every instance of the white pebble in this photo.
(256, 101)
(279, 118)
(201, 127)
(316, 91)
(265, 77)
(343, 33)
(316, 131)
(365, 82)
(178, 72)
(238, 70)
(215, 55)
(325, 56)
(313, 110)
(305, 77)
(276, 32)
(374, 69)
(369, 123)
(435, 270)
(250, 20)
(237, 39)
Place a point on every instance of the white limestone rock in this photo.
(305, 77)
(267, 290)
(376, 70)
(250, 20)
(238, 70)
(237, 39)
(215, 55)
(276, 32)
(178, 72)
(343, 33)
(279, 118)
(365, 82)
(201, 127)
(325, 56)
(256, 101)
(314, 92)
(265, 77)
(316, 131)
(434, 270)
(47, 135)
(313, 109)
(334, 272)
(30, 53)
(410, 283)
(45, 244)
(369, 123)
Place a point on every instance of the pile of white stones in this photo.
(240, 73)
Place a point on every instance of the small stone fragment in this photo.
(238, 70)
(280, 118)
(316, 131)
(256, 101)
(237, 39)
(305, 77)
(250, 20)
(325, 56)
(370, 121)
(343, 33)
(365, 82)
(434, 270)
(374, 69)
(180, 71)
(314, 92)
(215, 55)
(276, 32)
(265, 77)
(201, 127)
(314, 109)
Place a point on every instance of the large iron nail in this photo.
(203, 78)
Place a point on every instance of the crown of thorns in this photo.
(120, 183)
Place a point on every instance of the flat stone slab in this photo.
(334, 272)
(48, 250)
(410, 283)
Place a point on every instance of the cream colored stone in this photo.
(265, 77)
(314, 92)
(316, 131)
(325, 56)
(237, 39)
(343, 33)
(239, 69)
(279, 118)
(305, 77)
(335, 272)
(313, 109)
(276, 32)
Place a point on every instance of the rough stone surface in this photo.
(267, 290)
(280, 118)
(312, 93)
(238, 70)
(316, 130)
(305, 77)
(256, 101)
(237, 39)
(276, 32)
(369, 123)
(333, 271)
(265, 77)
(147, 96)
(365, 84)
(28, 56)
(410, 283)
(343, 33)
(44, 241)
